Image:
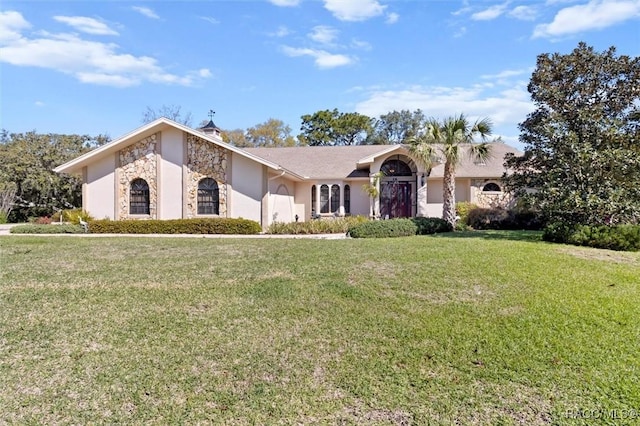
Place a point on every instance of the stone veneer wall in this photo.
(138, 161)
(205, 159)
(490, 199)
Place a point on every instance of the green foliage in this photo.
(497, 218)
(176, 226)
(396, 127)
(620, 237)
(431, 225)
(47, 229)
(446, 140)
(384, 229)
(271, 134)
(72, 216)
(331, 127)
(27, 160)
(462, 210)
(321, 226)
(582, 143)
(3, 217)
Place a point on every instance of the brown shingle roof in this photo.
(339, 162)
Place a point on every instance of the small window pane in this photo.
(324, 199)
(335, 198)
(313, 199)
(347, 199)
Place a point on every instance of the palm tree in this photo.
(445, 141)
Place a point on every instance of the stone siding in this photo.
(205, 159)
(138, 161)
(490, 199)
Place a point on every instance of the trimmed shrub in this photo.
(497, 218)
(322, 226)
(431, 225)
(176, 226)
(558, 232)
(384, 229)
(462, 210)
(619, 237)
(47, 229)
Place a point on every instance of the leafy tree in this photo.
(396, 127)
(236, 137)
(582, 147)
(172, 112)
(331, 127)
(447, 140)
(272, 133)
(26, 164)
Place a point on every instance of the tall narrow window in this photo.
(335, 198)
(324, 199)
(313, 199)
(208, 197)
(347, 199)
(139, 197)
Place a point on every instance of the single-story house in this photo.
(165, 170)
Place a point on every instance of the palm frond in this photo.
(480, 152)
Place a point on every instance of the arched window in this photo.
(324, 199)
(139, 197)
(335, 198)
(395, 167)
(208, 197)
(314, 198)
(347, 199)
(491, 187)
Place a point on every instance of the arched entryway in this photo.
(397, 187)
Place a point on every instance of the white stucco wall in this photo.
(170, 195)
(100, 193)
(359, 199)
(246, 183)
(281, 201)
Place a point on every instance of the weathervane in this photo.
(211, 114)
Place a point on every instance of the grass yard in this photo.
(477, 328)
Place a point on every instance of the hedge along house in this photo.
(165, 170)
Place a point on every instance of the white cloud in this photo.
(149, 13)
(285, 2)
(359, 44)
(503, 74)
(505, 108)
(464, 9)
(323, 59)
(211, 20)
(39, 103)
(594, 15)
(524, 13)
(392, 18)
(11, 25)
(282, 31)
(88, 61)
(461, 31)
(492, 12)
(354, 10)
(323, 34)
(86, 25)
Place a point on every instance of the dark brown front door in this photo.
(395, 199)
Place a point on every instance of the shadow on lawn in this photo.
(532, 236)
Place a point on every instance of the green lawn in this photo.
(475, 328)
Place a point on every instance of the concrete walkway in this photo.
(4, 230)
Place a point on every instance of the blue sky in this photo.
(92, 67)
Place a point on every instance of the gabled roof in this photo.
(76, 165)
